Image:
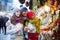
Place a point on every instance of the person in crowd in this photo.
(19, 17)
(3, 28)
(11, 30)
(5, 20)
(14, 25)
(16, 16)
(24, 13)
(33, 25)
(1, 23)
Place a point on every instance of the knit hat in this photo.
(30, 14)
(16, 9)
(23, 9)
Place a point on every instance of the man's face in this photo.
(18, 13)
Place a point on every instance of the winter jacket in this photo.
(11, 30)
(15, 19)
(34, 24)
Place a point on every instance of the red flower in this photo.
(30, 14)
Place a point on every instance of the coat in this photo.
(11, 30)
(35, 25)
(15, 19)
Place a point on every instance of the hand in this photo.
(18, 30)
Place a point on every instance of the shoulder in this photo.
(37, 19)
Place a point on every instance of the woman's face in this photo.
(25, 13)
(33, 16)
(18, 13)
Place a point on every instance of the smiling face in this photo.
(17, 13)
(25, 13)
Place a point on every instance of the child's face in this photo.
(18, 13)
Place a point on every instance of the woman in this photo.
(16, 16)
(17, 19)
(24, 13)
(14, 26)
(3, 21)
(33, 25)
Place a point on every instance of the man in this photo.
(33, 26)
(24, 13)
